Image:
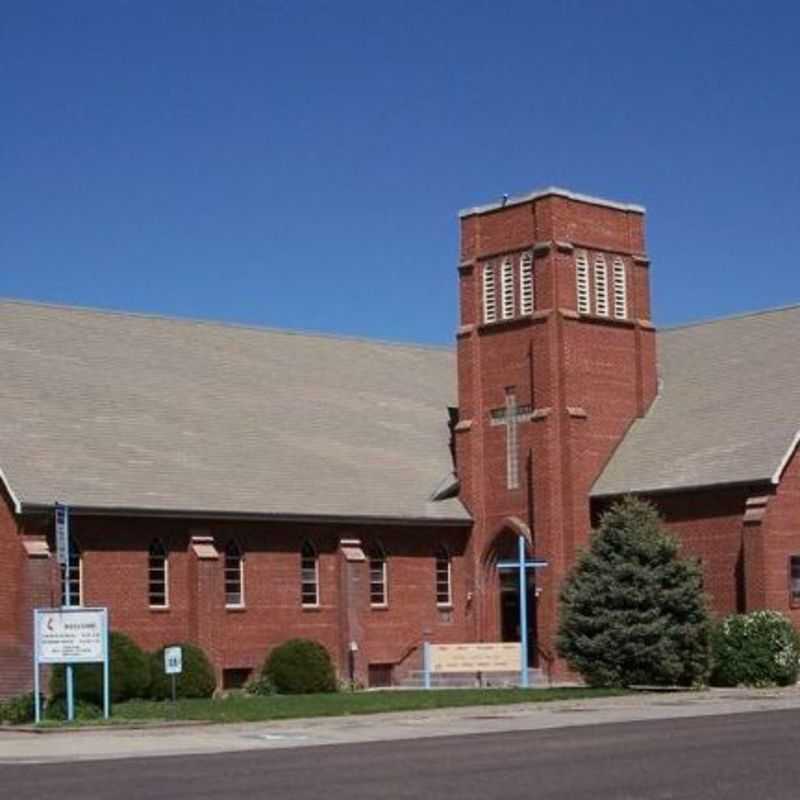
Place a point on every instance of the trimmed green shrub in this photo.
(196, 680)
(57, 710)
(17, 710)
(129, 674)
(300, 666)
(632, 611)
(761, 648)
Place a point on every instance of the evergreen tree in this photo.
(632, 611)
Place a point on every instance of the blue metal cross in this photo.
(523, 564)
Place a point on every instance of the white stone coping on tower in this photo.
(550, 190)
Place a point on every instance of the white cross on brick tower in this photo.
(510, 416)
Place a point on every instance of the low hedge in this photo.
(129, 674)
(17, 710)
(299, 666)
(761, 648)
(196, 680)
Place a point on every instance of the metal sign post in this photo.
(173, 665)
(62, 554)
(523, 564)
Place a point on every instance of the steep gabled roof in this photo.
(727, 411)
(119, 411)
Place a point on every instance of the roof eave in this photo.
(661, 490)
(776, 476)
(40, 507)
(15, 501)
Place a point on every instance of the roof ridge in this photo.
(728, 317)
(113, 312)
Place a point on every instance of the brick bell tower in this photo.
(556, 358)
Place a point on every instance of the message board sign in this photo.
(71, 635)
(484, 657)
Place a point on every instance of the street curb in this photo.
(114, 726)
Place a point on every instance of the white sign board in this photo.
(62, 535)
(486, 657)
(71, 635)
(173, 660)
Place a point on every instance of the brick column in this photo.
(753, 553)
(39, 585)
(351, 635)
(205, 595)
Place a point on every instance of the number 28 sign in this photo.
(173, 660)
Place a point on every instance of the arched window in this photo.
(157, 575)
(378, 593)
(600, 285)
(507, 287)
(309, 575)
(526, 284)
(582, 282)
(234, 575)
(72, 576)
(489, 294)
(444, 578)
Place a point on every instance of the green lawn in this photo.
(242, 708)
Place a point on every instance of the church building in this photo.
(235, 486)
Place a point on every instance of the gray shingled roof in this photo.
(728, 408)
(120, 411)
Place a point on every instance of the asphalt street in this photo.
(755, 755)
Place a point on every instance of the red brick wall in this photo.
(781, 540)
(708, 524)
(115, 574)
(15, 623)
(587, 378)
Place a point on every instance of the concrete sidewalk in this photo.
(108, 743)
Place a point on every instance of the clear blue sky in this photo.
(301, 164)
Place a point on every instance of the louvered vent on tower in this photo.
(507, 278)
(489, 294)
(600, 286)
(582, 282)
(620, 289)
(526, 284)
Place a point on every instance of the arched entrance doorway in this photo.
(503, 573)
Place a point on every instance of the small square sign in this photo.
(173, 660)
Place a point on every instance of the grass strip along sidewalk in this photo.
(245, 708)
